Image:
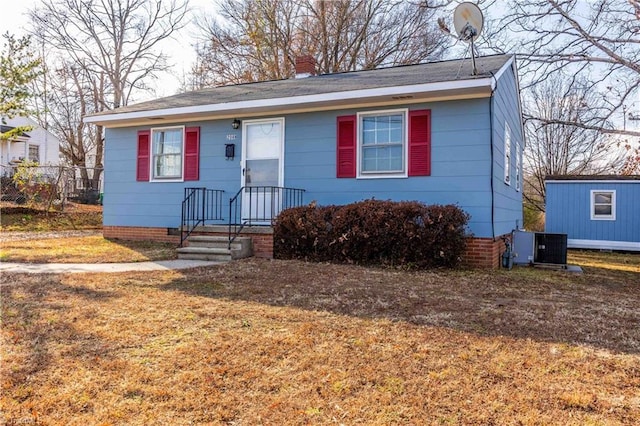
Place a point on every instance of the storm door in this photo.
(262, 169)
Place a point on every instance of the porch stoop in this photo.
(202, 247)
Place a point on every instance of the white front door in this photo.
(262, 169)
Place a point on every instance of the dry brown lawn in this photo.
(35, 218)
(287, 342)
(84, 249)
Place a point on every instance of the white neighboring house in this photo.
(38, 144)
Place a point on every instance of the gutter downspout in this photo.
(493, 204)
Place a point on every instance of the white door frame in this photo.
(243, 161)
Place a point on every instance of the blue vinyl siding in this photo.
(460, 165)
(460, 168)
(131, 203)
(568, 211)
(508, 201)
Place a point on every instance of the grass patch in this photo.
(74, 216)
(616, 261)
(288, 342)
(90, 249)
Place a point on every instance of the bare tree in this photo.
(557, 147)
(597, 42)
(100, 53)
(72, 94)
(118, 38)
(252, 40)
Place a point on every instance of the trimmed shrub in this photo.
(407, 233)
(305, 232)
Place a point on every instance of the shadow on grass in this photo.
(35, 318)
(598, 308)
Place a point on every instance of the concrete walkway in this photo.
(66, 268)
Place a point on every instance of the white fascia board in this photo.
(501, 71)
(594, 181)
(603, 244)
(417, 90)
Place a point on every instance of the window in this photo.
(518, 166)
(34, 153)
(169, 154)
(382, 142)
(507, 154)
(167, 147)
(603, 205)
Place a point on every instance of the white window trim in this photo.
(507, 154)
(405, 146)
(152, 178)
(592, 204)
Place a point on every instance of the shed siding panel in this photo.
(568, 211)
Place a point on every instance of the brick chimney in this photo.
(305, 66)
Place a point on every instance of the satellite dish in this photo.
(468, 21)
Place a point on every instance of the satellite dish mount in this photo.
(468, 22)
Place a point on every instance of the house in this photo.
(431, 132)
(37, 145)
(596, 212)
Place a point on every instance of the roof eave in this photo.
(428, 92)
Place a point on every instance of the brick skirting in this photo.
(139, 233)
(480, 252)
(262, 245)
(483, 252)
(262, 242)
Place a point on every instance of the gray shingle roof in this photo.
(4, 128)
(433, 72)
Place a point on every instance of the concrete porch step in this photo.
(217, 241)
(205, 253)
(215, 247)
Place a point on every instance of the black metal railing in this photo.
(259, 205)
(199, 206)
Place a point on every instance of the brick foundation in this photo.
(483, 252)
(139, 233)
(262, 242)
(480, 252)
(263, 245)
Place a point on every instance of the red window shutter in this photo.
(192, 153)
(420, 143)
(346, 147)
(143, 162)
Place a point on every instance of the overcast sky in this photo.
(14, 19)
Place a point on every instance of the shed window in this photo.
(603, 205)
